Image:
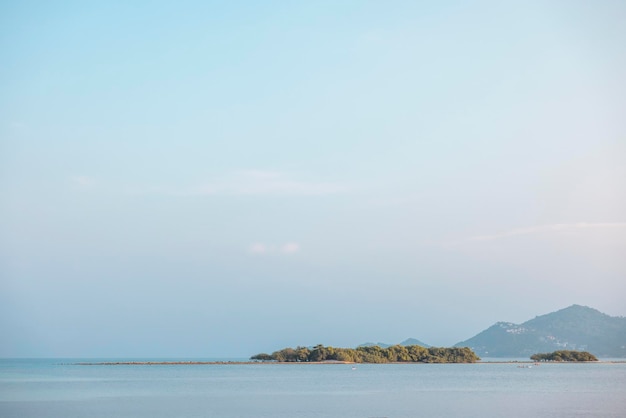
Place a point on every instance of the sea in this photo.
(61, 388)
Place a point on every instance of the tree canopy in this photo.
(373, 354)
(564, 355)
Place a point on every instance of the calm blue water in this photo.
(46, 388)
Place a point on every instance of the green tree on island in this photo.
(564, 355)
(373, 354)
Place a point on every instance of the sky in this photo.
(219, 179)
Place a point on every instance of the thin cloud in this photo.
(290, 248)
(83, 182)
(259, 248)
(548, 228)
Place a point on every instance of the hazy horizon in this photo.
(207, 179)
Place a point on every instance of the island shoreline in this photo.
(236, 363)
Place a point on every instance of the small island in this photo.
(564, 355)
(372, 354)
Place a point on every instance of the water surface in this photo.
(54, 389)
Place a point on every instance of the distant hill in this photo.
(371, 344)
(413, 341)
(407, 342)
(573, 328)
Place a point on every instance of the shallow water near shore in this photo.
(51, 388)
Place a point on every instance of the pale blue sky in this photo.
(224, 178)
